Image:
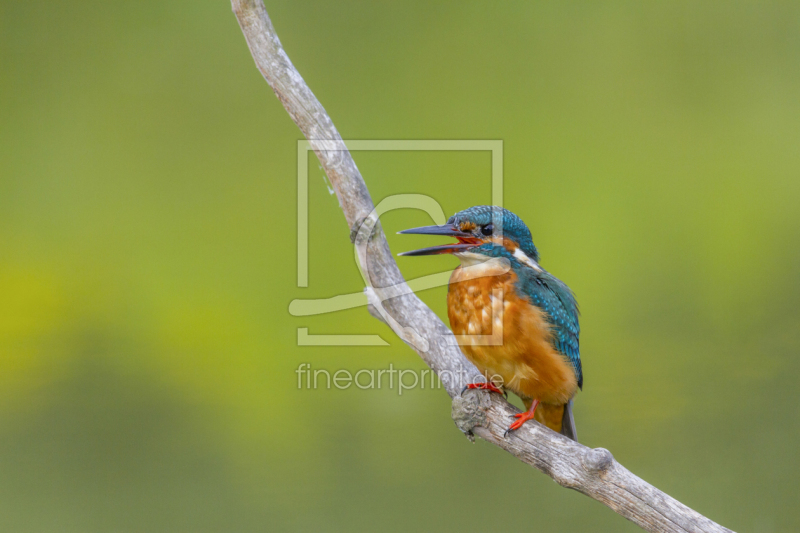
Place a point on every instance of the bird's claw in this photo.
(521, 418)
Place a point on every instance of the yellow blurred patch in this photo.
(32, 312)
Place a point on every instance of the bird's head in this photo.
(483, 230)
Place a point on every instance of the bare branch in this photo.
(593, 472)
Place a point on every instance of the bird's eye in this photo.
(487, 229)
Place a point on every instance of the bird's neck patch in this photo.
(523, 258)
(513, 248)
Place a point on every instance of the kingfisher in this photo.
(500, 284)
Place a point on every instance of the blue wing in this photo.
(556, 299)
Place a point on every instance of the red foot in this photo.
(521, 418)
(488, 385)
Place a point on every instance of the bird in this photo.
(534, 352)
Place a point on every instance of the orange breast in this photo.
(507, 338)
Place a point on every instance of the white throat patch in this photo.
(470, 259)
(478, 266)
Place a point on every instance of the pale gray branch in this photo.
(593, 472)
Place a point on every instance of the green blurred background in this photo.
(148, 259)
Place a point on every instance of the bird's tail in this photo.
(568, 423)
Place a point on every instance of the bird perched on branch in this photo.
(514, 320)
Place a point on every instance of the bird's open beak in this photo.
(465, 240)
